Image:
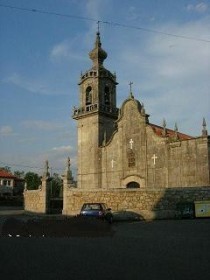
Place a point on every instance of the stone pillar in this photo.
(45, 187)
(67, 184)
(37, 201)
(204, 130)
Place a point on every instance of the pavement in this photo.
(164, 249)
(10, 211)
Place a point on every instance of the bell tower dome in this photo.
(95, 115)
(97, 87)
(97, 55)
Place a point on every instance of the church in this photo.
(120, 148)
(125, 161)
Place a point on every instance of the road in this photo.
(165, 250)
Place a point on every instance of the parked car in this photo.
(186, 210)
(98, 210)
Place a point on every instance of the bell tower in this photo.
(95, 116)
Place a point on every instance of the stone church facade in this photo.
(132, 165)
(120, 148)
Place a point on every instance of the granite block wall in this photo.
(148, 204)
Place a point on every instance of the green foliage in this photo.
(33, 180)
(6, 168)
(19, 174)
(56, 187)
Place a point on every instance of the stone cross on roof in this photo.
(130, 84)
(131, 94)
(98, 25)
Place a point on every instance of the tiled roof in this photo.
(169, 132)
(6, 174)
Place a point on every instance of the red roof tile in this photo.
(169, 132)
(6, 174)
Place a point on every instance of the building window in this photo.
(6, 182)
(107, 95)
(89, 95)
(133, 185)
(131, 158)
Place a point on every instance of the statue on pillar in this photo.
(204, 131)
(68, 174)
(46, 173)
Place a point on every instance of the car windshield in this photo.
(92, 207)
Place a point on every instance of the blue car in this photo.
(97, 210)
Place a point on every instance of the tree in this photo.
(19, 174)
(6, 168)
(33, 180)
(56, 186)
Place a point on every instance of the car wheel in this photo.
(110, 219)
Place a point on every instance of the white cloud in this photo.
(185, 60)
(172, 74)
(6, 131)
(61, 49)
(200, 7)
(42, 125)
(57, 157)
(93, 8)
(28, 140)
(62, 149)
(67, 49)
(35, 161)
(34, 86)
(132, 14)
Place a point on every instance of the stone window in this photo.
(133, 185)
(131, 158)
(107, 95)
(89, 95)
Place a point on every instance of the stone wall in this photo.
(148, 204)
(36, 201)
(145, 203)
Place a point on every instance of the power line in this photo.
(158, 32)
(105, 22)
(46, 12)
(27, 166)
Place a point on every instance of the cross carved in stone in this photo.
(112, 163)
(154, 157)
(131, 143)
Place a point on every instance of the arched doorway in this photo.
(133, 181)
(133, 185)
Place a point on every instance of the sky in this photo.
(162, 46)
